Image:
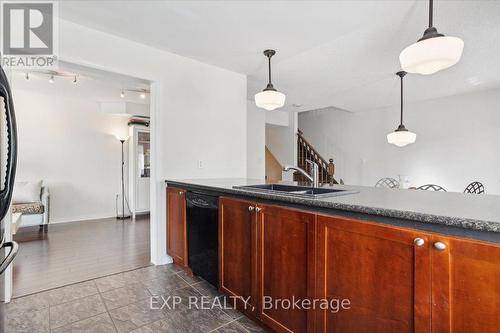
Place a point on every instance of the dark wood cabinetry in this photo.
(395, 279)
(237, 261)
(383, 271)
(285, 252)
(402, 280)
(176, 225)
(267, 253)
(465, 286)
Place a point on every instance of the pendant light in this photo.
(433, 52)
(269, 98)
(401, 136)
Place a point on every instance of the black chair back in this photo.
(387, 183)
(475, 188)
(431, 187)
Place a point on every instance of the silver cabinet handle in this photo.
(251, 208)
(440, 246)
(419, 241)
(258, 209)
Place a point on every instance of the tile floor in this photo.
(122, 303)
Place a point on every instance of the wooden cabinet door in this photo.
(285, 267)
(176, 225)
(380, 270)
(237, 265)
(465, 286)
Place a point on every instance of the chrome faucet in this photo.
(313, 177)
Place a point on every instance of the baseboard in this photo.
(165, 259)
(80, 219)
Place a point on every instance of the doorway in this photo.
(70, 124)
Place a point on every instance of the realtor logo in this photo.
(29, 38)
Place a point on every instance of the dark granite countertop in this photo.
(469, 211)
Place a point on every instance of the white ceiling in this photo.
(92, 84)
(330, 53)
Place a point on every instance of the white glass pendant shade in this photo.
(401, 138)
(270, 99)
(431, 55)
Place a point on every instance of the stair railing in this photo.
(305, 151)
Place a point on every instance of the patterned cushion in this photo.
(28, 208)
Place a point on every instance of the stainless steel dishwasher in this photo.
(202, 216)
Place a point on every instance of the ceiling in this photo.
(329, 53)
(92, 84)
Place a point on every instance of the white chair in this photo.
(34, 209)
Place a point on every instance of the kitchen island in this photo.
(407, 261)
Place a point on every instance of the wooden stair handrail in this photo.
(306, 151)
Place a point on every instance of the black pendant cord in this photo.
(401, 77)
(269, 68)
(431, 32)
(269, 54)
(431, 10)
(401, 74)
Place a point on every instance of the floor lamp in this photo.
(123, 216)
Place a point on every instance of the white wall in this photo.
(457, 142)
(278, 118)
(198, 112)
(274, 129)
(281, 141)
(66, 141)
(256, 141)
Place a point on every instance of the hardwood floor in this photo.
(78, 251)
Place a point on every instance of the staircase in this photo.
(305, 151)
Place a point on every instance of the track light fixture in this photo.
(142, 92)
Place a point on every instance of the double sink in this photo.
(295, 191)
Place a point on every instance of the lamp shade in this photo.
(270, 99)
(431, 55)
(121, 136)
(401, 138)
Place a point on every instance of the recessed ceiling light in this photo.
(474, 81)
